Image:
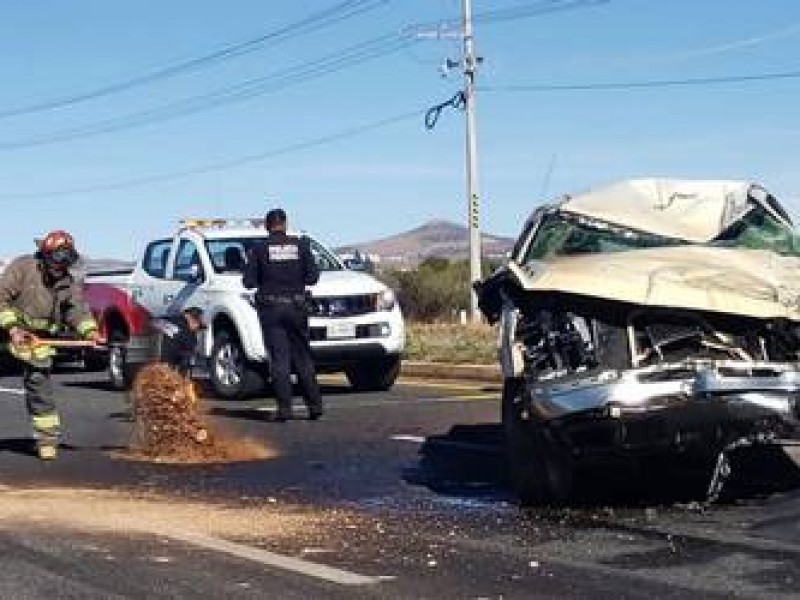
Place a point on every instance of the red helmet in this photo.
(58, 247)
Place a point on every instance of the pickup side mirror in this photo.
(356, 264)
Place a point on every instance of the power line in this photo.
(653, 83)
(222, 166)
(327, 17)
(525, 11)
(329, 64)
(448, 27)
(348, 57)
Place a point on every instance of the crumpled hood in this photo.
(753, 283)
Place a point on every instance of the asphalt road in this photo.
(395, 495)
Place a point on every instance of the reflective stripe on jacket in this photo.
(28, 301)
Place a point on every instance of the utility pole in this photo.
(470, 64)
(466, 100)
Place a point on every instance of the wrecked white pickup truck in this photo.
(645, 317)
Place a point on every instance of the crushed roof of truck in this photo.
(692, 210)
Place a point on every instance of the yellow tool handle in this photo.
(65, 343)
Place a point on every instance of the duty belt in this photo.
(281, 298)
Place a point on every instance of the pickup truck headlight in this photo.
(386, 300)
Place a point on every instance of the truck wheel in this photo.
(542, 472)
(232, 378)
(374, 375)
(120, 372)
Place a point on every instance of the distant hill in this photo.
(437, 238)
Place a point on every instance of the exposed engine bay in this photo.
(622, 359)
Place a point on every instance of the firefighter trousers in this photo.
(40, 400)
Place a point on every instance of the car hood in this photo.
(752, 283)
(331, 283)
(346, 283)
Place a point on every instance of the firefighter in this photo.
(40, 297)
(280, 268)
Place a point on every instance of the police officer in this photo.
(177, 338)
(280, 268)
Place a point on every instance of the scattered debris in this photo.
(170, 426)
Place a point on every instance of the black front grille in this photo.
(343, 306)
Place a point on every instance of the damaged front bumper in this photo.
(696, 405)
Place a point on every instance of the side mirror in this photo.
(355, 264)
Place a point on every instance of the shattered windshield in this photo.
(565, 234)
(760, 230)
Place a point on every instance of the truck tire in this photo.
(120, 372)
(232, 377)
(374, 375)
(542, 471)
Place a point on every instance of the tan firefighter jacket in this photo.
(27, 301)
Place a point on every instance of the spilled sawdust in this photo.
(170, 425)
(120, 511)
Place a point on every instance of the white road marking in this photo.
(417, 439)
(15, 391)
(279, 561)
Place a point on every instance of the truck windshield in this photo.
(228, 255)
(566, 234)
(760, 230)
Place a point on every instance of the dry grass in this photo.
(451, 343)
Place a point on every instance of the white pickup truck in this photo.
(356, 323)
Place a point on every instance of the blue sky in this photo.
(381, 180)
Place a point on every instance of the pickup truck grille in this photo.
(343, 306)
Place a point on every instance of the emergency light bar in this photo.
(221, 223)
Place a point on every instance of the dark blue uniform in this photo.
(280, 268)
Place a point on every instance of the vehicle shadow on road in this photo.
(22, 446)
(262, 407)
(25, 447)
(469, 462)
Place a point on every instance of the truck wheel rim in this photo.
(228, 365)
(115, 363)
